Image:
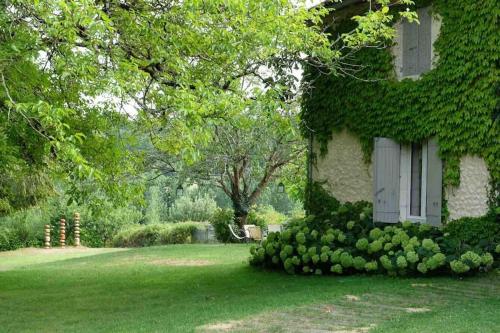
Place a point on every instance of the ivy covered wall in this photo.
(456, 101)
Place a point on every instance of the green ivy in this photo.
(455, 101)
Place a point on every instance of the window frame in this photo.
(405, 184)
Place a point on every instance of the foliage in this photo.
(48, 130)
(265, 214)
(474, 232)
(221, 220)
(25, 228)
(455, 101)
(193, 206)
(348, 242)
(155, 234)
(153, 209)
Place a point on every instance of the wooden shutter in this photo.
(410, 48)
(386, 181)
(417, 44)
(434, 183)
(424, 40)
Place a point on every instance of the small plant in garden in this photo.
(347, 241)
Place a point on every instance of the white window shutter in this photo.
(386, 181)
(424, 40)
(410, 48)
(434, 183)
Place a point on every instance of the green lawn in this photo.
(211, 288)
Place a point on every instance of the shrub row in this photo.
(155, 234)
(349, 242)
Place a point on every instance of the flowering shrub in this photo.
(343, 244)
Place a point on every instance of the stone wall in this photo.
(346, 175)
(471, 197)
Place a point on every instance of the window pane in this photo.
(416, 179)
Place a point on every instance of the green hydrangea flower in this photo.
(314, 234)
(330, 238)
(335, 257)
(375, 246)
(306, 269)
(359, 263)
(306, 258)
(318, 271)
(346, 259)
(487, 259)
(305, 230)
(300, 238)
(422, 268)
(388, 229)
(286, 235)
(412, 257)
(253, 249)
(341, 237)
(325, 249)
(315, 259)
(386, 262)
(350, 225)
(301, 249)
(275, 259)
(270, 249)
(288, 249)
(312, 251)
(471, 258)
(296, 260)
(330, 232)
(283, 255)
(388, 246)
(401, 262)
(376, 233)
(497, 248)
(288, 264)
(424, 228)
(407, 224)
(428, 244)
(436, 261)
(459, 266)
(336, 269)
(371, 266)
(362, 244)
(324, 257)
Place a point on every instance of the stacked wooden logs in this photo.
(62, 233)
(77, 229)
(47, 236)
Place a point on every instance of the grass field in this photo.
(211, 288)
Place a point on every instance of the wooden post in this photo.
(47, 236)
(77, 229)
(62, 233)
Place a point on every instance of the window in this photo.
(407, 182)
(416, 172)
(414, 53)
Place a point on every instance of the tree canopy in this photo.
(69, 69)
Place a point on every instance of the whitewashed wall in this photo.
(471, 197)
(348, 178)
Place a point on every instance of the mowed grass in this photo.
(185, 288)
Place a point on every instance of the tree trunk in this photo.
(241, 209)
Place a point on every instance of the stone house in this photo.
(417, 157)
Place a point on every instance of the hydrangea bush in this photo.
(349, 242)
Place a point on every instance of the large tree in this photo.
(185, 66)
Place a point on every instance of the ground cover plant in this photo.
(345, 240)
(211, 288)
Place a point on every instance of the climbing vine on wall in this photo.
(456, 101)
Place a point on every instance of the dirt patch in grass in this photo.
(219, 327)
(181, 262)
(417, 310)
